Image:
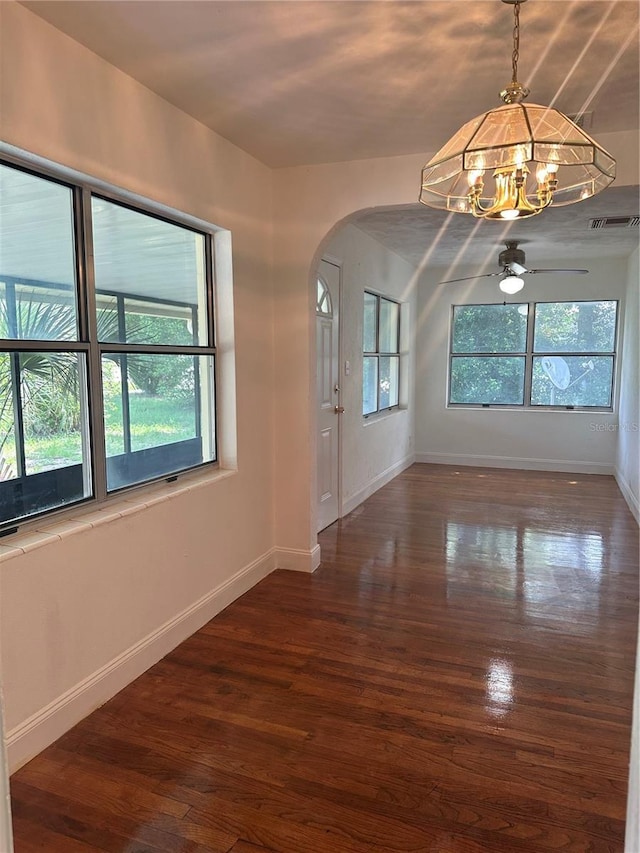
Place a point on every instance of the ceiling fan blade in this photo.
(470, 277)
(574, 272)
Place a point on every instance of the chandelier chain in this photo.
(516, 43)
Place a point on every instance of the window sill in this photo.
(49, 530)
(496, 407)
(376, 417)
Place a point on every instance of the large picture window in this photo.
(543, 354)
(107, 357)
(381, 358)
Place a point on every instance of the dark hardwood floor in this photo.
(455, 678)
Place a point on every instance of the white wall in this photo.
(565, 441)
(77, 603)
(376, 449)
(627, 475)
(627, 455)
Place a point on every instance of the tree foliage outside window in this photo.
(546, 354)
(381, 358)
(491, 379)
(489, 328)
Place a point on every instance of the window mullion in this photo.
(90, 321)
(528, 363)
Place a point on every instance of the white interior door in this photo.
(328, 403)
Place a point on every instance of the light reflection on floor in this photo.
(553, 576)
(500, 689)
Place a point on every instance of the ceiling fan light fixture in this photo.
(513, 161)
(511, 284)
(512, 262)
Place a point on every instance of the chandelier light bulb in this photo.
(511, 284)
(553, 162)
(542, 173)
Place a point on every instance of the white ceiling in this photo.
(308, 82)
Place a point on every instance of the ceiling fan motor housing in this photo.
(511, 255)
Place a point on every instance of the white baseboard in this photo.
(49, 723)
(297, 560)
(377, 483)
(628, 495)
(569, 466)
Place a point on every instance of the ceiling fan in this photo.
(512, 261)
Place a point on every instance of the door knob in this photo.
(339, 410)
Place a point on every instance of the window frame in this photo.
(87, 343)
(378, 354)
(530, 354)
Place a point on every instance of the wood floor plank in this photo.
(246, 847)
(31, 835)
(108, 831)
(457, 677)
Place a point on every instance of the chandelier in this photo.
(515, 160)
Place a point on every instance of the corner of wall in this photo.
(627, 451)
(297, 559)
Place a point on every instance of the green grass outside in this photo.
(154, 421)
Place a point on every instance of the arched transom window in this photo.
(323, 303)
